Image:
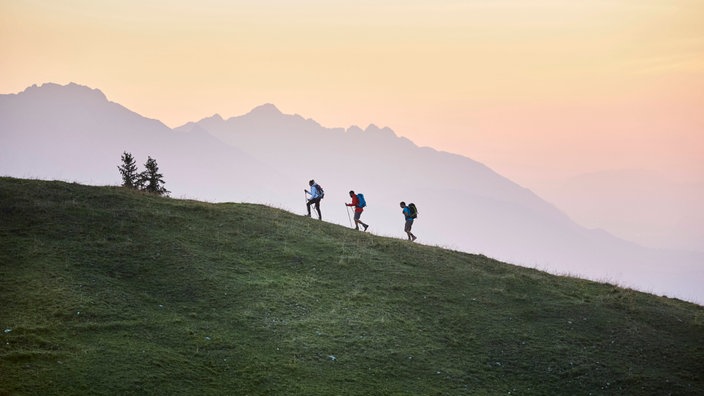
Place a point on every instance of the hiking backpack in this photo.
(362, 203)
(413, 210)
(321, 192)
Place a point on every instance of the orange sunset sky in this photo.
(538, 90)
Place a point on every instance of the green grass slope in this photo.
(104, 290)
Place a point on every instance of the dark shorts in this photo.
(357, 215)
(409, 224)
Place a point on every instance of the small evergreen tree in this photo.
(128, 170)
(152, 181)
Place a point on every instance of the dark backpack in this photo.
(413, 210)
(321, 192)
(362, 202)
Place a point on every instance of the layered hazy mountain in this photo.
(74, 133)
(628, 209)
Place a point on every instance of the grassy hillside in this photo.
(110, 291)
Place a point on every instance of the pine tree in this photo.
(152, 181)
(128, 170)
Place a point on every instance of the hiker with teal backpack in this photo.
(316, 194)
(410, 213)
(359, 203)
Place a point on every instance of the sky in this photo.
(541, 91)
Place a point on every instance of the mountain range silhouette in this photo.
(75, 133)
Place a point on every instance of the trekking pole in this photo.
(348, 215)
(305, 197)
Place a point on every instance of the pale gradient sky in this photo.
(538, 90)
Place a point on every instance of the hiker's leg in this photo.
(310, 201)
(361, 222)
(317, 208)
(407, 228)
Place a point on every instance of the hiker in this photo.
(409, 213)
(316, 194)
(359, 205)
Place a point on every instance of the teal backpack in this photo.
(362, 202)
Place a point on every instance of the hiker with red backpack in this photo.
(359, 203)
(316, 194)
(409, 213)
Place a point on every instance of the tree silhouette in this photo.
(130, 177)
(152, 181)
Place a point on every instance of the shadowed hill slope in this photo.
(110, 291)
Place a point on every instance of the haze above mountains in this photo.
(74, 133)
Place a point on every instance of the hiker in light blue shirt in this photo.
(316, 194)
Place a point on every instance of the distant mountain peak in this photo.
(385, 131)
(354, 129)
(72, 89)
(266, 109)
(214, 117)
